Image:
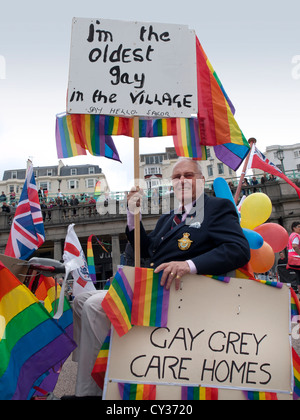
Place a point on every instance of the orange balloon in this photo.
(262, 259)
(274, 234)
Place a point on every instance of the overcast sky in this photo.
(253, 46)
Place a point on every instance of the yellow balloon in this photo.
(255, 210)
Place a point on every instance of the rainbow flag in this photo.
(137, 391)
(296, 367)
(118, 302)
(90, 256)
(199, 393)
(224, 279)
(90, 259)
(187, 139)
(98, 372)
(77, 133)
(116, 126)
(150, 301)
(217, 124)
(48, 293)
(232, 154)
(31, 342)
(295, 304)
(276, 284)
(97, 191)
(216, 120)
(260, 396)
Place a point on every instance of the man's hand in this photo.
(173, 270)
(134, 200)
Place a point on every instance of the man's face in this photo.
(297, 229)
(188, 182)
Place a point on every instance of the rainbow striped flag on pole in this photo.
(90, 256)
(199, 393)
(296, 367)
(98, 372)
(187, 139)
(137, 391)
(77, 133)
(217, 124)
(260, 396)
(215, 113)
(118, 302)
(31, 341)
(295, 305)
(150, 301)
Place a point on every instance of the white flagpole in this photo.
(252, 143)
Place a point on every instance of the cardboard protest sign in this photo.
(132, 69)
(18, 267)
(231, 336)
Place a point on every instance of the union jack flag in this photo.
(259, 161)
(27, 232)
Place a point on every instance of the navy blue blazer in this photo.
(217, 246)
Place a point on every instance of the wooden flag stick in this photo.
(137, 238)
(252, 142)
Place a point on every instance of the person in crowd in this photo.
(264, 179)
(254, 183)
(74, 202)
(294, 251)
(5, 208)
(245, 184)
(2, 197)
(40, 194)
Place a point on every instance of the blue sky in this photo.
(253, 46)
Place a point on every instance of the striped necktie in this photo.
(177, 218)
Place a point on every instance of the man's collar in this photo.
(187, 208)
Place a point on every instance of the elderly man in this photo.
(203, 236)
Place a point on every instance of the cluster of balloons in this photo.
(265, 239)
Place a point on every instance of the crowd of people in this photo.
(253, 185)
(63, 202)
(9, 204)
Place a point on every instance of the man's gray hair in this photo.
(195, 162)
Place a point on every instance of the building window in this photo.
(149, 160)
(154, 183)
(45, 186)
(14, 175)
(73, 171)
(49, 172)
(220, 168)
(73, 184)
(208, 152)
(91, 170)
(210, 170)
(90, 183)
(154, 170)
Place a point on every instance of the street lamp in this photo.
(280, 156)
